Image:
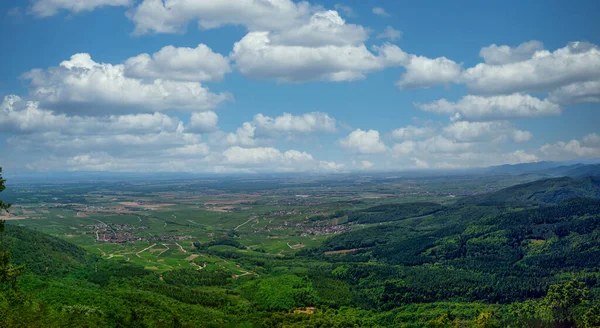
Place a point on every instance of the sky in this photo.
(247, 86)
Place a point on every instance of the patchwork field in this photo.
(157, 224)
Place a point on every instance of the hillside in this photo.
(584, 171)
(496, 260)
(45, 255)
(439, 257)
(550, 191)
(549, 169)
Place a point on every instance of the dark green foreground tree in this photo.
(8, 272)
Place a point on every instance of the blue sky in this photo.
(250, 86)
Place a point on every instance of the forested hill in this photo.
(549, 169)
(45, 255)
(550, 191)
(490, 251)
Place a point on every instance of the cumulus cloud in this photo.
(314, 122)
(257, 56)
(19, 116)
(363, 142)
(380, 12)
(480, 108)
(244, 136)
(86, 84)
(460, 144)
(439, 152)
(485, 131)
(500, 55)
(325, 48)
(588, 147)
(325, 28)
(202, 122)
(390, 33)
(126, 144)
(364, 164)
(273, 159)
(58, 141)
(259, 155)
(263, 129)
(183, 64)
(199, 149)
(581, 92)
(45, 8)
(592, 140)
(412, 132)
(423, 72)
(330, 166)
(101, 161)
(174, 15)
(542, 71)
(441, 144)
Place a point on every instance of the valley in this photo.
(362, 251)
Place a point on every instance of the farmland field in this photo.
(367, 250)
(156, 225)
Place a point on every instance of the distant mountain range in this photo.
(552, 191)
(572, 169)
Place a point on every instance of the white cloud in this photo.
(264, 129)
(500, 55)
(412, 132)
(259, 155)
(257, 56)
(543, 71)
(244, 136)
(325, 28)
(363, 142)
(88, 85)
(324, 48)
(589, 147)
(184, 64)
(392, 55)
(592, 140)
(173, 16)
(292, 156)
(188, 150)
(329, 166)
(202, 122)
(440, 144)
(580, 92)
(151, 146)
(380, 11)
(314, 122)
(478, 108)
(268, 158)
(404, 148)
(19, 116)
(272, 159)
(45, 8)
(364, 164)
(485, 131)
(521, 135)
(442, 153)
(390, 33)
(100, 161)
(423, 72)
(299, 43)
(346, 10)
(57, 141)
(461, 144)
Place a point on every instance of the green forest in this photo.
(526, 256)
